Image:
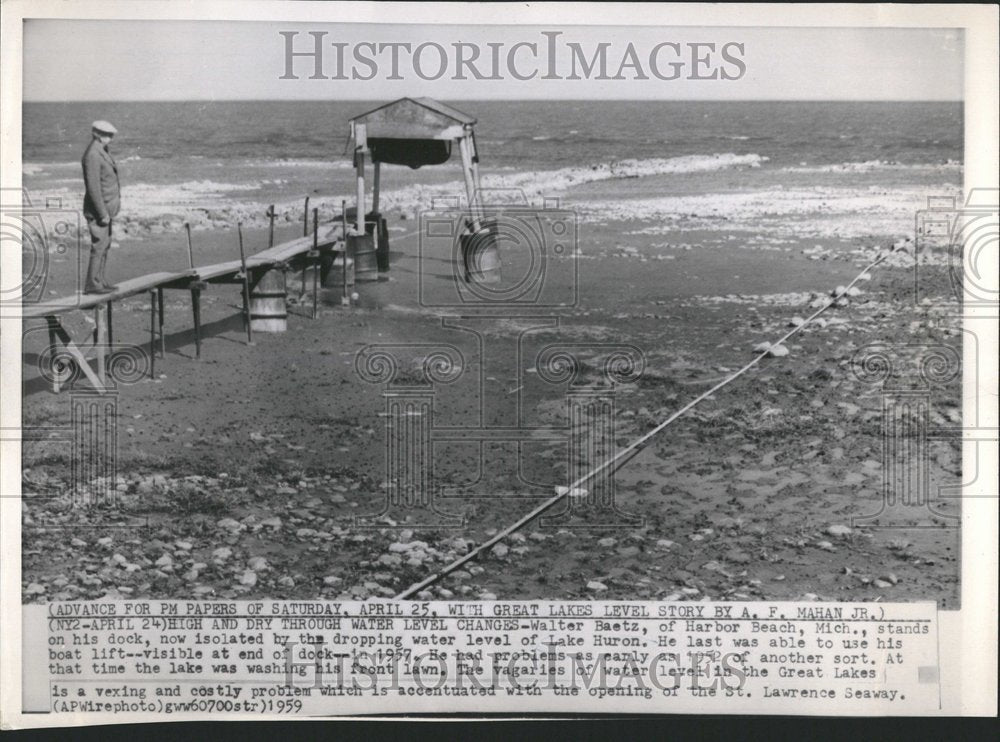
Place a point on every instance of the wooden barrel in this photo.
(365, 260)
(268, 312)
(480, 255)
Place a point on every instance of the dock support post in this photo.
(470, 184)
(152, 334)
(246, 286)
(316, 265)
(53, 325)
(359, 220)
(101, 345)
(159, 308)
(196, 288)
(111, 337)
(187, 229)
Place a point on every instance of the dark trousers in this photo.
(100, 241)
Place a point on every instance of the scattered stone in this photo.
(35, 589)
(880, 583)
(825, 546)
(500, 551)
(258, 564)
(184, 545)
(274, 522)
(664, 543)
(222, 554)
(331, 580)
(164, 561)
(228, 524)
(607, 542)
(249, 578)
(596, 587)
(839, 531)
(777, 351)
(286, 581)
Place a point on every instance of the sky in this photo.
(67, 60)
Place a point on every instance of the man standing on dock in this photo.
(100, 204)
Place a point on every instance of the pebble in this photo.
(164, 561)
(500, 551)
(777, 351)
(222, 554)
(607, 542)
(274, 522)
(596, 587)
(664, 543)
(249, 578)
(825, 546)
(258, 564)
(286, 581)
(331, 580)
(228, 524)
(839, 531)
(487, 596)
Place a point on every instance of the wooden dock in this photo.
(303, 252)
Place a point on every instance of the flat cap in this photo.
(104, 127)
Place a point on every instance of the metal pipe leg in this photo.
(101, 343)
(163, 339)
(316, 269)
(53, 344)
(152, 334)
(196, 311)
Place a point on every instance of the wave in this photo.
(532, 186)
(208, 204)
(874, 165)
(845, 213)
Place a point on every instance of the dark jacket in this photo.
(100, 176)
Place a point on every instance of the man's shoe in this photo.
(98, 290)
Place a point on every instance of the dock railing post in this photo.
(246, 285)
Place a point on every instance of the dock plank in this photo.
(89, 301)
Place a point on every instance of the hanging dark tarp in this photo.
(413, 153)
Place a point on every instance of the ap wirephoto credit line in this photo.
(378, 363)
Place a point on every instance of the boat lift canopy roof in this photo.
(412, 132)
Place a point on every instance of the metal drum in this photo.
(268, 311)
(480, 254)
(375, 224)
(365, 262)
(333, 277)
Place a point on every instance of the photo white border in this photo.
(968, 637)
